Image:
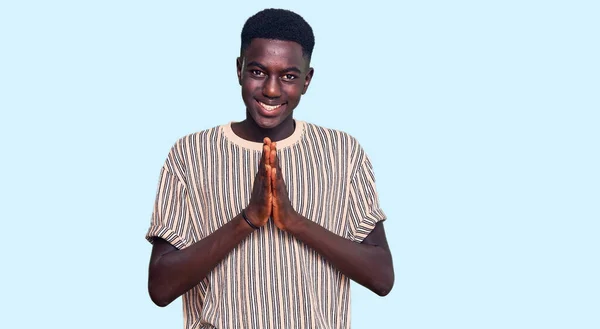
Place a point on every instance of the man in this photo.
(261, 223)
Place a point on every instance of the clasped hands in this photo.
(269, 194)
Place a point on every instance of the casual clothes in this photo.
(271, 279)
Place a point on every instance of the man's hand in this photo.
(259, 207)
(283, 213)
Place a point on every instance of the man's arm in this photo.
(369, 263)
(172, 272)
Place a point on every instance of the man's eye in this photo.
(257, 73)
(289, 77)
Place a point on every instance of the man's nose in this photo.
(272, 89)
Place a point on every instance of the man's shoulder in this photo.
(189, 144)
(338, 142)
(330, 134)
(335, 139)
(198, 138)
(209, 133)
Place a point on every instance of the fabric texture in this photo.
(270, 280)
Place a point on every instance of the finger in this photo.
(268, 156)
(273, 181)
(279, 185)
(274, 146)
(267, 141)
(267, 181)
(265, 156)
(273, 153)
(274, 189)
(272, 158)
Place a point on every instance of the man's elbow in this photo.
(384, 284)
(159, 301)
(158, 296)
(383, 289)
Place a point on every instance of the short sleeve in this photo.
(364, 210)
(170, 217)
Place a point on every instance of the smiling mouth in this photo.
(269, 108)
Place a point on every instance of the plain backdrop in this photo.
(481, 119)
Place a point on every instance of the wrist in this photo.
(242, 226)
(294, 222)
(248, 221)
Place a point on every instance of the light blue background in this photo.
(481, 119)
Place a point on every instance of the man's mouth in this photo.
(269, 108)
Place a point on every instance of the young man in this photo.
(262, 223)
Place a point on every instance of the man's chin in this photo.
(268, 123)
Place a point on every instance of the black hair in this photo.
(279, 24)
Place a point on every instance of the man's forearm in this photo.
(173, 272)
(369, 265)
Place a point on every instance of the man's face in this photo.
(274, 75)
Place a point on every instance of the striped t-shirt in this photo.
(271, 279)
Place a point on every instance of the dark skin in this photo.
(273, 75)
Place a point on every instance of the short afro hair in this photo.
(279, 24)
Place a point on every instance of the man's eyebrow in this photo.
(262, 67)
(292, 69)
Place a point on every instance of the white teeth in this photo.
(269, 107)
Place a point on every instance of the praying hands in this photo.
(269, 194)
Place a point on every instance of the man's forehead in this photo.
(273, 49)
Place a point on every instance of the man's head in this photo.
(278, 24)
(274, 65)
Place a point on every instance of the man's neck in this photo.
(249, 130)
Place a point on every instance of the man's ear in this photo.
(238, 64)
(309, 76)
